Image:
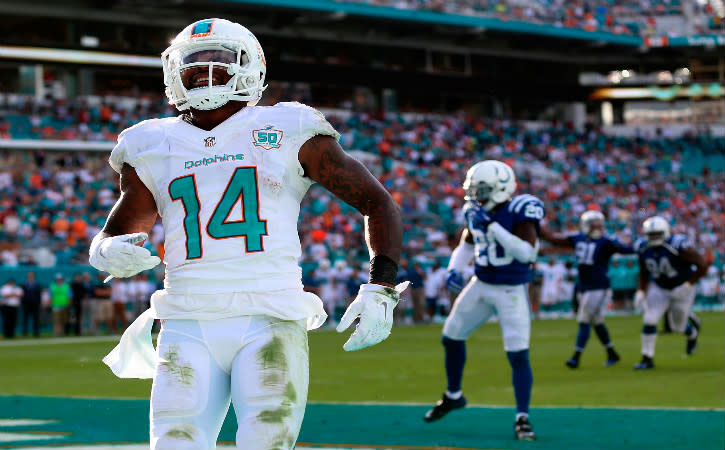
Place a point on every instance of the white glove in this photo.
(374, 304)
(639, 297)
(119, 256)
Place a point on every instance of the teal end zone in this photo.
(88, 421)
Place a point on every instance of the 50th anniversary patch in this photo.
(267, 137)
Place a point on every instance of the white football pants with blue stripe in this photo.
(260, 363)
(478, 302)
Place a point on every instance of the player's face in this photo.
(480, 193)
(655, 237)
(596, 227)
(198, 76)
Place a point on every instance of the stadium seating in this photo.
(55, 202)
(642, 18)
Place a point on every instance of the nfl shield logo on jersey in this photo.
(209, 141)
(267, 138)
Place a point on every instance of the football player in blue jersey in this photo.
(673, 266)
(501, 236)
(593, 250)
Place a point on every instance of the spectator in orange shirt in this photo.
(78, 227)
(61, 225)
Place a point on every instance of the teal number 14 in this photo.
(242, 185)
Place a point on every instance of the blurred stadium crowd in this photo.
(635, 17)
(53, 202)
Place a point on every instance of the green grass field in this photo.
(56, 393)
(408, 368)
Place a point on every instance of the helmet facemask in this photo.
(480, 193)
(594, 228)
(245, 82)
(655, 238)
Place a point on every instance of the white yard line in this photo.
(476, 405)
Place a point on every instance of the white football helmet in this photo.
(587, 223)
(656, 230)
(489, 183)
(238, 52)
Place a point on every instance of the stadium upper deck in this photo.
(510, 60)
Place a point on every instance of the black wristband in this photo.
(383, 269)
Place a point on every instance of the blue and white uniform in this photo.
(593, 287)
(499, 284)
(668, 273)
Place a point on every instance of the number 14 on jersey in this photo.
(242, 187)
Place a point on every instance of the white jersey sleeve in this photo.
(137, 146)
(311, 123)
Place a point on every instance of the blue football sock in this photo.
(522, 378)
(649, 329)
(583, 336)
(455, 360)
(603, 335)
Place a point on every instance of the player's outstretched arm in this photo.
(114, 248)
(555, 239)
(326, 162)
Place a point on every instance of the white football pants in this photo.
(659, 300)
(478, 301)
(259, 362)
(592, 306)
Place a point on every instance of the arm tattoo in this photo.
(135, 210)
(353, 183)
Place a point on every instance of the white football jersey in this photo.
(229, 198)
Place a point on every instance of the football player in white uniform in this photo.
(227, 178)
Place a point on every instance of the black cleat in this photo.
(692, 341)
(645, 364)
(443, 407)
(612, 359)
(691, 344)
(523, 430)
(572, 363)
